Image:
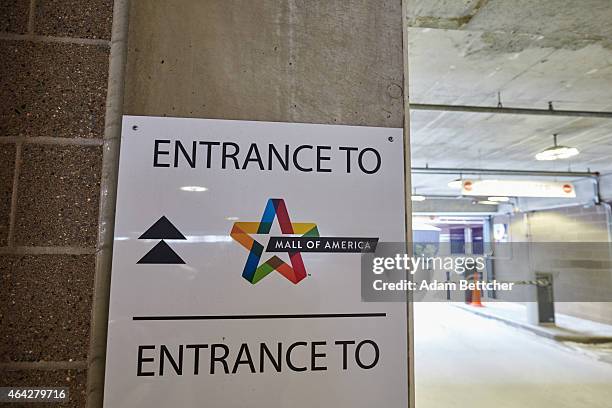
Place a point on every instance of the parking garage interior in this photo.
(495, 86)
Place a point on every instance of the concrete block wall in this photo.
(53, 82)
(564, 225)
(569, 224)
(578, 224)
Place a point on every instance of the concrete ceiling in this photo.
(463, 52)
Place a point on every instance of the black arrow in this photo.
(161, 254)
(162, 229)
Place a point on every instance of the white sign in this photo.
(236, 266)
(518, 188)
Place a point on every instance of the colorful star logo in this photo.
(241, 233)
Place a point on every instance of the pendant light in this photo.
(556, 151)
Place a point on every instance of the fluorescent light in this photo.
(488, 202)
(417, 198)
(556, 152)
(194, 188)
(232, 218)
(499, 199)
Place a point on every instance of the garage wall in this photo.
(53, 82)
(570, 224)
(605, 187)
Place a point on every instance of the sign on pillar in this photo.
(236, 266)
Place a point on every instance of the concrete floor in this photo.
(463, 360)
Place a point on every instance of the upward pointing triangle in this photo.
(161, 254)
(162, 229)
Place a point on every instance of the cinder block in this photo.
(58, 196)
(14, 16)
(7, 168)
(76, 381)
(52, 89)
(45, 307)
(74, 18)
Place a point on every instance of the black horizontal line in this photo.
(268, 316)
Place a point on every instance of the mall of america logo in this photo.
(297, 237)
(253, 272)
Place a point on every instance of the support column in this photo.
(329, 62)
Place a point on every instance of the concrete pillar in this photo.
(328, 61)
(309, 61)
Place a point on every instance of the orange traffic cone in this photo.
(476, 294)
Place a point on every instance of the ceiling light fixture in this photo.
(488, 202)
(556, 151)
(499, 199)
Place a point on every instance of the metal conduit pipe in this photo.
(503, 172)
(509, 111)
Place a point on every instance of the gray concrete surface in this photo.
(463, 360)
(336, 62)
(566, 328)
(532, 51)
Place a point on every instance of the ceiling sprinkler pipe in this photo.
(503, 172)
(510, 111)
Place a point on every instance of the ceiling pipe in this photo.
(503, 172)
(510, 111)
